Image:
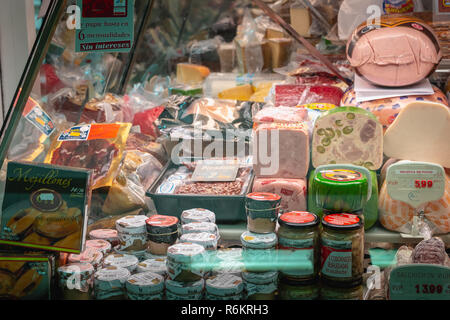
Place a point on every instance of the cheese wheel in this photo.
(347, 135)
(339, 190)
(421, 132)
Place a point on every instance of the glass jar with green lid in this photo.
(331, 290)
(298, 244)
(342, 247)
(289, 289)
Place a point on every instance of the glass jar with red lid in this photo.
(262, 211)
(298, 244)
(342, 247)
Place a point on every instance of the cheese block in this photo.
(261, 92)
(347, 135)
(398, 216)
(301, 20)
(191, 74)
(386, 110)
(281, 150)
(421, 132)
(370, 208)
(272, 33)
(242, 93)
(280, 48)
(291, 191)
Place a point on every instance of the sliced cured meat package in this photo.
(386, 110)
(292, 191)
(97, 146)
(281, 114)
(291, 95)
(110, 109)
(281, 150)
(347, 135)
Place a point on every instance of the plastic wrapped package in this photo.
(291, 95)
(93, 146)
(147, 144)
(50, 82)
(110, 109)
(281, 114)
(249, 49)
(68, 102)
(394, 51)
(205, 53)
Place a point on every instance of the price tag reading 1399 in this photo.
(415, 183)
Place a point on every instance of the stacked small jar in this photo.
(187, 260)
(298, 256)
(132, 234)
(259, 246)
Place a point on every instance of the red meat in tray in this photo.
(291, 95)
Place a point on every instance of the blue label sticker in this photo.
(41, 120)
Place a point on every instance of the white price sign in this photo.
(415, 183)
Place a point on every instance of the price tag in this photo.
(420, 282)
(216, 170)
(415, 183)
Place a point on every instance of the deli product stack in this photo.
(225, 157)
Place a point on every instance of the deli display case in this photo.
(229, 150)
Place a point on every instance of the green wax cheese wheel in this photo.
(370, 210)
(342, 190)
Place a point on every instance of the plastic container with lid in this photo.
(145, 286)
(289, 289)
(259, 252)
(126, 261)
(109, 283)
(224, 287)
(157, 265)
(109, 235)
(228, 260)
(132, 232)
(197, 215)
(176, 290)
(138, 254)
(76, 281)
(205, 239)
(197, 227)
(89, 255)
(149, 255)
(101, 245)
(260, 285)
(162, 233)
(262, 211)
(185, 262)
(298, 244)
(342, 247)
(331, 290)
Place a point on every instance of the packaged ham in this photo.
(107, 110)
(292, 191)
(147, 144)
(347, 135)
(91, 146)
(386, 110)
(420, 132)
(68, 102)
(291, 95)
(281, 150)
(398, 216)
(394, 51)
(281, 115)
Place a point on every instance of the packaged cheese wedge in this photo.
(398, 216)
(347, 135)
(421, 132)
(188, 73)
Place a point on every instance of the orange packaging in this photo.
(98, 147)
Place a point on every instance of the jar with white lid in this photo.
(186, 262)
(145, 286)
(205, 239)
(228, 260)
(132, 232)
(197, 227)
(140, 255)
(157, 265)
(101, 245)
(176, 290)
(76, 281)
(298, 245)
(109, 235)
(109, 283)
(259, 251)
(89, 255)
(342, 247)
(126, 261)
(260, 285)
(197, 215)
(224, 287)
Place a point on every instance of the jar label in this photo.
(336, 258)
(341, 175)
(175, 269)
(342, 219)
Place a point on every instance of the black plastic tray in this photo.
(228, 209)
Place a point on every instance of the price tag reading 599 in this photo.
(415, 183)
